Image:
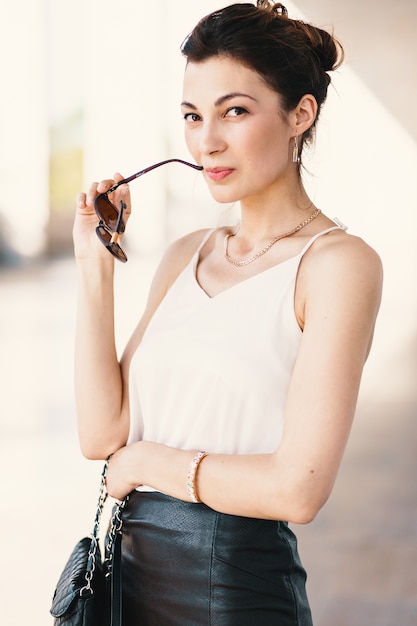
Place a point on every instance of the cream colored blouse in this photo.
(213, 373)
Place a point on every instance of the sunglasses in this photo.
(111, 224)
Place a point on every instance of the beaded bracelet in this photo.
(191, 476)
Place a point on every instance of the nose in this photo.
(211, 138)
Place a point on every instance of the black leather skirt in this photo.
(184, 564)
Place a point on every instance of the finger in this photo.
(91, 193)
(118, 177)
(123, 190)
(83, 205)
(104, 185)
(123, 193)
(82, 200)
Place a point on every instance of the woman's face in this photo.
(235, 128)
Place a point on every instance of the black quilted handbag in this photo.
(88, 592)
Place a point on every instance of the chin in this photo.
(223, 195)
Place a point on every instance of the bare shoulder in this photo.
(180, 253)
(339, 270)
(188, 244)
(342, 255)
(176, 258)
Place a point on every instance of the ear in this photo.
(304, 114)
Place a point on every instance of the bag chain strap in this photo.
(115, 528)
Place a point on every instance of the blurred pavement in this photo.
(360, 552)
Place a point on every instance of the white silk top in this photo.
(212, 373)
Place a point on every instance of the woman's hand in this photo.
(86, 242)
(148, 463)
(119, 479)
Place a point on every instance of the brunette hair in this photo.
(293, 57)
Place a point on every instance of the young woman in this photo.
(230, 409)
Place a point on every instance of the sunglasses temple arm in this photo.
(115, 236)
(120, 218)
(149, 169)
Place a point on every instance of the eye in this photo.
(192, 117)
(235, 111)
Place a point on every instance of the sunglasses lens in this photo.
(106, 239)
(107, 212)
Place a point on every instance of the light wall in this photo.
(23, 125)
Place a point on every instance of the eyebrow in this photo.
(222, 99)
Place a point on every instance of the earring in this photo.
(295, 153)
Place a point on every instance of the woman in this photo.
(232, 404)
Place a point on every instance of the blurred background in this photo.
(92, 87)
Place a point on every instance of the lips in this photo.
(218, 173)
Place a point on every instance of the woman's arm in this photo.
(338, 296)
(101, 382)
(98, 380)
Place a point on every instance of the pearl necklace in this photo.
(268, 245)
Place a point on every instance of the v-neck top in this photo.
(213, 373)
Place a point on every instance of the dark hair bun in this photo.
(326, 48)
(323, 45)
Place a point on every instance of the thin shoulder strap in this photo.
(339, 226)
(193, 259)
(204, 241)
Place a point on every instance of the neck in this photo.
(268, 246)
(263, 218)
